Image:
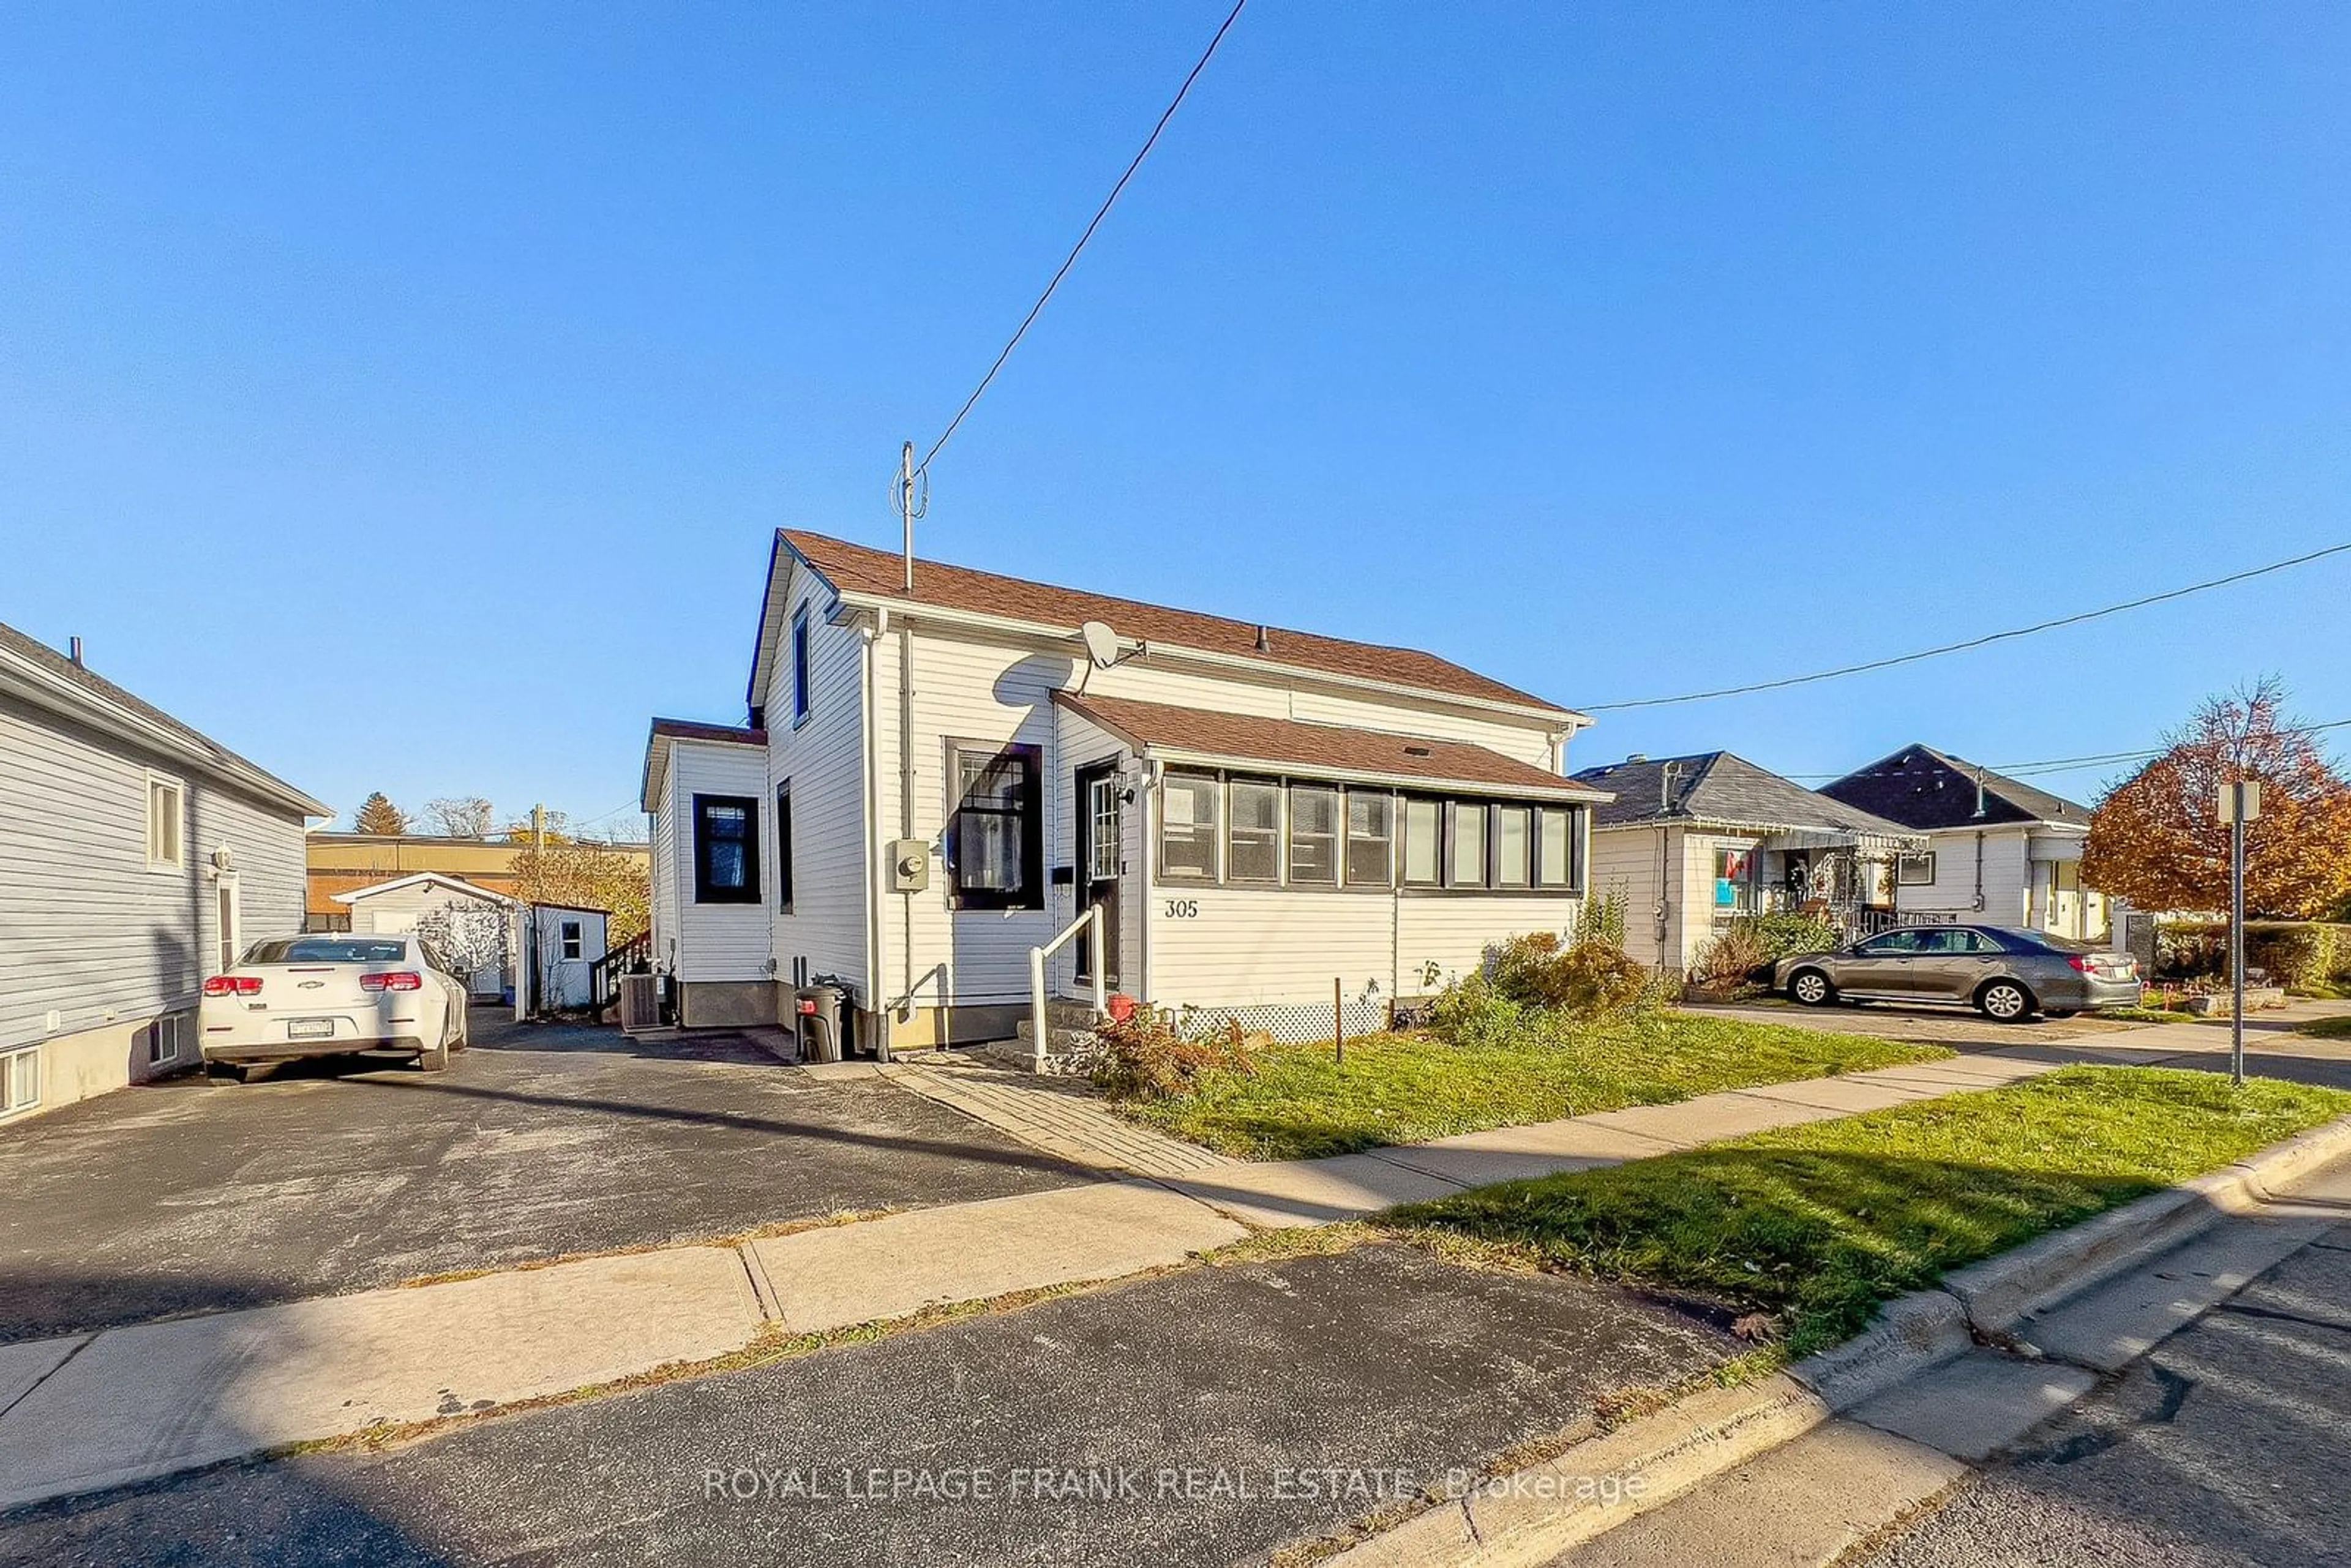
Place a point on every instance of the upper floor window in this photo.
(994, 846)
(725, 849)
(167, 811)
(801, 666)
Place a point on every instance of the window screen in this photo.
(1187, 828)
(1256, 851)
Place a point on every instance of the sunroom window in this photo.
(1371, 838)
(1187, 828)
(1255, 852)
(1313, 835)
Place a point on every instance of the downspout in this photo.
(906, 797)
(872, 826)
(1979, 892)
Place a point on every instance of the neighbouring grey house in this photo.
(1694, 843)
(1996, 849)
(135, 858)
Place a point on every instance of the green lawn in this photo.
(1404, 1088)
(1816, 1226)
(2328, 1029)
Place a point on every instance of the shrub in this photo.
(1602, 919)
(2305, 956)
(1743, 951)
(1145, 1057)
(1788, 932)
(1473, 1013)
(1590, 980)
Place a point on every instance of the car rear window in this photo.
(327, 950)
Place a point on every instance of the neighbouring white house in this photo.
(1997, 849)
(934, 781)
(1695, 842)
(568, 940)
(137, 859)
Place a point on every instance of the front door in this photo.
(1099, 863)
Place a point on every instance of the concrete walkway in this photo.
(1061, 1118)
(91, 1411)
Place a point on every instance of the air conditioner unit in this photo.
(640, 1003)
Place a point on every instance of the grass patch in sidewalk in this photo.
(1407, 1088)
(1816, 1225)
(2327, 1028)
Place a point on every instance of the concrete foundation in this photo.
(93, 1061)
(729, 1004)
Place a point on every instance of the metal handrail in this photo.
(1091, 918)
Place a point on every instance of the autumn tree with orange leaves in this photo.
(2157, 841)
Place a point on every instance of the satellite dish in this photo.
(1102, 643)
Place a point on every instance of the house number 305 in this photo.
(1182, 909)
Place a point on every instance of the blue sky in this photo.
(404, 396)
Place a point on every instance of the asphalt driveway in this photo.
(543, 1140)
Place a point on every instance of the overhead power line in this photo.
(1071, 260)
(2103, 760)
(1984, 641)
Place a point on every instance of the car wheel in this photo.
(2005, 1001)
(225, 1071)
(465, 1037)
(1810, 988)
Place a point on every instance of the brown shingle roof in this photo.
(693, 729)
(1287, 744)
(854, 568)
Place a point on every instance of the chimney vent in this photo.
(1264, 641)
(73, 650)
(1636, 757)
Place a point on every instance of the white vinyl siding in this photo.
(823, 761)
(716, 941)
(1626, 861)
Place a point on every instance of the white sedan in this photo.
(328, 995)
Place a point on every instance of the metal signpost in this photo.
(2240, 803)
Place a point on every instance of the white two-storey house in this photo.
(934, 781)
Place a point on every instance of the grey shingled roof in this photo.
(1718, 787)
(1924, 788)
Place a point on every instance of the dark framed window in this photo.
(995, 848)
(1915, 870)
(801, 666)
(1424, 843)
(784, 847)
(1554, 847)
(1188, 827)
(1465, 861)
(1371, 838)
(572, 935)
(1314, 835)
(725, 849)
(1254, 852)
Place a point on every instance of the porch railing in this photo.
(604, 973)
(1090, 922)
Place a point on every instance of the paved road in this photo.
(1244, 1383)
(2228, 1445)
(540, 1141)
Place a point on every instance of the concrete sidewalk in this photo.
(91, 1411)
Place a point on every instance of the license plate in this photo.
(310, 1029)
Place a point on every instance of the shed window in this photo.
(166, 819)
(573, 940)
(725, 849)
(1256, 853)
(995, 852)
(1314, 834)
(801, 666)
(1424, 843)
(1371, 838)
(1467, 867)
(1187, 828)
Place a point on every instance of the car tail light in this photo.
(394, 980)
(2082, 962)
(805, 1007)
(233, 986)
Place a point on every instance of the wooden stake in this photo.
(1338, 1021)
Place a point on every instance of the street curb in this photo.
(1532, 1515)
